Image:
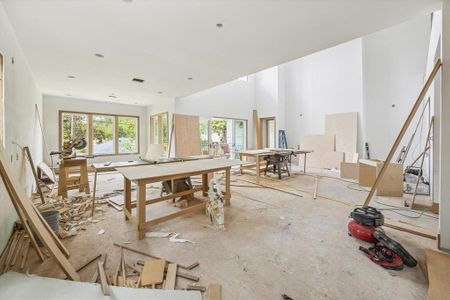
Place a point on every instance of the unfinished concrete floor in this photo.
(274, 243)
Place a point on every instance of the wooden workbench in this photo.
(259, 154)
(143, 175)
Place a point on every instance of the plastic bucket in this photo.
(52, 218)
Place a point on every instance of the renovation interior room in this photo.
(189, 150)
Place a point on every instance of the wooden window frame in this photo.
(159, 117)
(264, 125)
(90, 130)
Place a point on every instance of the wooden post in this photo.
(257, 130)
(127, 196)
(421, 161)
(172, 128)
(413, 111)
(140, 211)
(94, 192)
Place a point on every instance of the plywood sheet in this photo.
(187, 135)
(344, 127)
(367, 173)
(392, 183)
(318, 143)
(349, 170)
(214, 291)
(324, 159)
(153, 272)
(438, 266)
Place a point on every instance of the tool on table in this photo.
(77, 142)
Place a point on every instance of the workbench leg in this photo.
(228, 186)
(304, 164)
(94, 193)
(140, 211)
(127, 196)
(62, 180)
(257, 168)
(205, 184)
(240, 167)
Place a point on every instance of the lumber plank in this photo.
(214, 291)
(22, 204)
(153, 272)
(95, 276)
(438, 266)
(25, 254)
(171, 277)
(124, 269)
(103, 281)
(411, 229)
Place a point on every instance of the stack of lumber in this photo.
(16, 250)
(337, 145)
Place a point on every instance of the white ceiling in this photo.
(166, 41)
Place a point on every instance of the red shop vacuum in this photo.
(385, 252)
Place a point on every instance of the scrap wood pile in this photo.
(16, 250)
(74, 212)
(153, 272)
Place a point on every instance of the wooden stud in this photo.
(25, 254)
(200, 288)
(127, 196)
(124, 269)
(33, 169)
(103, 280)
(140, 211)
(405, 126)
(171, 277)
(95, 276)
(422, 161)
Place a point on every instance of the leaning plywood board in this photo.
(438, 266)
(20, 286)
(25, 207)
(324, 160)
(392, 183)
(367, 172)
(153, 272)
(318, 143)
(344, 127)
(349, 170)
(187, 135)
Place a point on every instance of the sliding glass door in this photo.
(223, 137)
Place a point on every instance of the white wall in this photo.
(394, 64)
(326, 82)
(21, 95)
(53, 104)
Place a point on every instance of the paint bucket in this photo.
(52, 218)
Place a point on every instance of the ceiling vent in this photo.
(137, 80)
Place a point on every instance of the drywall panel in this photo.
(344, 127)
(318, 143)
(21, 124)
(323, 160)
(54, 104)
(187, 135)
(349, 170)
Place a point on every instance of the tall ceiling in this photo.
(165, 42)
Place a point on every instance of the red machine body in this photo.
(361, 232)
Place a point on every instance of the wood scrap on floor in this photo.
(214, 291)
(103, 280)
(153, 272)
(171, 277)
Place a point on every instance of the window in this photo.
(75, 126)
(128, 132)
(104, 134)
(159, 129)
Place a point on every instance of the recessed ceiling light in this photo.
(99, 55)
(159, 92)
(190, 78)
(219, 25)
(71, 77)
(138, 80)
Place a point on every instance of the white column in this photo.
(444, 209)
